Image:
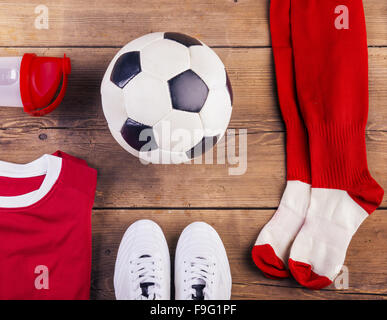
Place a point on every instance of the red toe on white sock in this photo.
(319, 250)
(267, 261)
(272, 248)
(305, 276)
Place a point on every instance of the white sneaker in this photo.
(143, 270)
(202, 271)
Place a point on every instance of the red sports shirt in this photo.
(45, 228)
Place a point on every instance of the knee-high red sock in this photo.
(331, 66)
(271, 250)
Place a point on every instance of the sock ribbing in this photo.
(338, 154)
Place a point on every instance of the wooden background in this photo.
(90, 33)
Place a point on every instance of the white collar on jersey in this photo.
(47, 165)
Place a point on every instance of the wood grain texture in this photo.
(115, 22)
(238, 229)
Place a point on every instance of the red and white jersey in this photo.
(45, 228)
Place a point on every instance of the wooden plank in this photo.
(124, 182)
(238, 230)
(251, 73)
(115, 22)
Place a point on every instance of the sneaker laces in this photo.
(199, 278)
(145, 271)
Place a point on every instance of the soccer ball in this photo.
(166, 97)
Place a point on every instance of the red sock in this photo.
(331, 63)
(271, 251)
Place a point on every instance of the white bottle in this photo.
(10, 82)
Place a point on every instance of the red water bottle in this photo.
(38, 84)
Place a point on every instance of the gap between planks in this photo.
(195, 208)
(335, 291)
(119, 47)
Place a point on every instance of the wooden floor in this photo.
(90, 33)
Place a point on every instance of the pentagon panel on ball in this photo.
(132, 132)
(126, 68)
(166, 98)
(188, 91)
(182, 39)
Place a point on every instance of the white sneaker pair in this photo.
(143, 270)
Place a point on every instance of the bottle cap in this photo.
(43, 82)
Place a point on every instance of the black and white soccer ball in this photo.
(166, 98)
